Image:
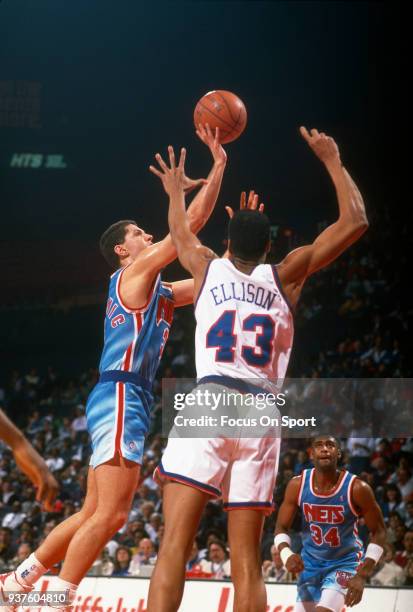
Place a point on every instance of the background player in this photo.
(331, 501)
(239, 336)
(138, 317)
(30, 462)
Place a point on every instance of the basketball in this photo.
(224, 110)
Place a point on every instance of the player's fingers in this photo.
(182, 159)
(314, 133)
(208, 131)
(304, 133)
(216, 139)
(161, 162)
(155, 171)
(229, 211)
(250, 198)
(171, 157)
(243, 200)
(254, 203)
(261, 208)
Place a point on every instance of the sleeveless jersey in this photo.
(244, 323)
(134, 339)
(329, 523)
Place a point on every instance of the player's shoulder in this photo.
(294, 485)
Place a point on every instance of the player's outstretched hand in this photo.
(211, 140)
(173, 177)
(294, 564)
(323, 146)
(354, 591)
(188, 183)
(35, 468)
(252, 203)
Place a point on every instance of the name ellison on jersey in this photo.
(243, 292)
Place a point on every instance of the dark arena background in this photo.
(89, 92)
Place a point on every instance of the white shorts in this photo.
(240, 470)
(330, 600)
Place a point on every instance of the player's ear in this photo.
(120, 250)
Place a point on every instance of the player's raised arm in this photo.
(366, 504)
(160, 254)
(30, 462)
(285, 517)
(335, 239)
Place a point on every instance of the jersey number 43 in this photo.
(222, 337)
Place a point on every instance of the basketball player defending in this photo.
(332, 573)
(244, 331)
(138, 318)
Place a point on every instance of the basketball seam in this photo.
(216, 116)
(227, 105)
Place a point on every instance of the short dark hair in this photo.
(249, 233)
(115, 234)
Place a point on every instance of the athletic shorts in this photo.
(241, 471)
(311, 582)
(118, 418)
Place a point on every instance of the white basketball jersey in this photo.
(244, 323)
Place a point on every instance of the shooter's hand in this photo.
(205, 134)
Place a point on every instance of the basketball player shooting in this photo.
(244, 331)
(331, 571)
(138, 318)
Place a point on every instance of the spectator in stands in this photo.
(146, 555)
(217, 562)
(122, 561)
(405, 483)
(405, 554)
(15, 517)
(7, 549)
(408, 572)
(195, 557)
(103, 566)
(23, 551)
(388, 572)
(391, 502)
(274, 570)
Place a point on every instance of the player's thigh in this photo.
(182, 509)
(244, 534)
(91, 498)
(250, 478)
(116, 484)
(330, 601)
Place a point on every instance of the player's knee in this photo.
(113, 520)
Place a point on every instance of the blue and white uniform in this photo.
(118, 408)
(332, 549)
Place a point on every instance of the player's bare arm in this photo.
(30, 462)
(285, 517)
(155, 257)
(366, 505)
(335, 239)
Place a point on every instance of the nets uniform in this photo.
(244, 333)
(331, 549)
(118, 408)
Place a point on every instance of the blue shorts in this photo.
(311, 581)
(118, 418)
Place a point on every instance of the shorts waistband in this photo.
(121, 376)
(239, 384)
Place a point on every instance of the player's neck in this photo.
(244, 265)
(324, 481)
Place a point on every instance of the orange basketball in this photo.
(222, 109)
